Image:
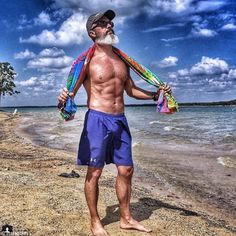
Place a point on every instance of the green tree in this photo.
(7, 76)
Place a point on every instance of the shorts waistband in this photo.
(105, 114)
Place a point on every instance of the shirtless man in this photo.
(106, 137)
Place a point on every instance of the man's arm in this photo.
(63, 96)
(133, 91)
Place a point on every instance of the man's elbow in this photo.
(130, 93)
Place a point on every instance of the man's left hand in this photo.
(166, 88)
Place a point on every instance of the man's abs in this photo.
(105, 84)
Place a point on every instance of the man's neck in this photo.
(104, 48)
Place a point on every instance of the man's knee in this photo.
(93, 173)
(125, 171)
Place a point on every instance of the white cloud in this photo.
(167, 62)
(183, 72)
(51, 60)
(229, 26)
(174, 39)
(39, 63)
(122, 8)
(195, 18)
(127, 8)
(209, 66)
(232, 74)
(219, 86)
(31, 82)
(164, 27)
(72, 31)
(209, 75)
(180, 7)
(51, 52)
(43, 19)
(198, 32)
(43, 84)
(206, 6)
(173, 75)
(162, 7)
(24, 55)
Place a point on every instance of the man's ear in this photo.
(92, 34)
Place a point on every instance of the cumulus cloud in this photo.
(184, 7)
(24, 54)
(166, 62)
(31, 82)
(42, 83)
(205, 6)
(51, 60)
(72, 31)
(203, 32)
(50, 63)
(229, 26)
(127, 9)
(183, 72)
(232, 74)
(53, 66)
(51, 52)
(122, 8)
(209, 66)
(43, 19)
(208, 75)
(200, 30)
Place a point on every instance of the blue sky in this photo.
(189, 44)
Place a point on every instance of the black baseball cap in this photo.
(95, 17)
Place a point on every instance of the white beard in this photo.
(109, 39)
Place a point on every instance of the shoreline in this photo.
(170, 178)
(44, 202)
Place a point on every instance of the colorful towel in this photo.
(165, 104)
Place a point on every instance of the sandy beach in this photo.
(34, 198)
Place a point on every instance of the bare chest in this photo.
(104, 69)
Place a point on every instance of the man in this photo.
(106, 137)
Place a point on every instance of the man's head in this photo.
(100, 28)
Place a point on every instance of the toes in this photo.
(136, 226)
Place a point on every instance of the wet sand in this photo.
(34, 197)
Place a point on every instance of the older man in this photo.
(106, 137)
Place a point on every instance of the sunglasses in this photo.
(103, 24)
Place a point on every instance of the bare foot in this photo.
(98, 230)
(133, 224)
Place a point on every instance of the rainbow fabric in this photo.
(165, 104)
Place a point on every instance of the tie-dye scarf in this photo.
(165, 104)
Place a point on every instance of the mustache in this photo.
(110, 30)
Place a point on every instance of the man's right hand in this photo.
(64, 95)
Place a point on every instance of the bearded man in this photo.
(106, 136)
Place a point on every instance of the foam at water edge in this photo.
(220, 160)
(227, 161)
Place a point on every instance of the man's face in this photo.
(102, 28)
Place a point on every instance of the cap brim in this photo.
(109, 14)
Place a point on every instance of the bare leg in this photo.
(123, 191)
(91, 193)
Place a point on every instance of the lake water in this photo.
(198, 127)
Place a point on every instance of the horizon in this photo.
(131, 104)
(190, 45)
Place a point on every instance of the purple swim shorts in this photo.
(105, 139)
